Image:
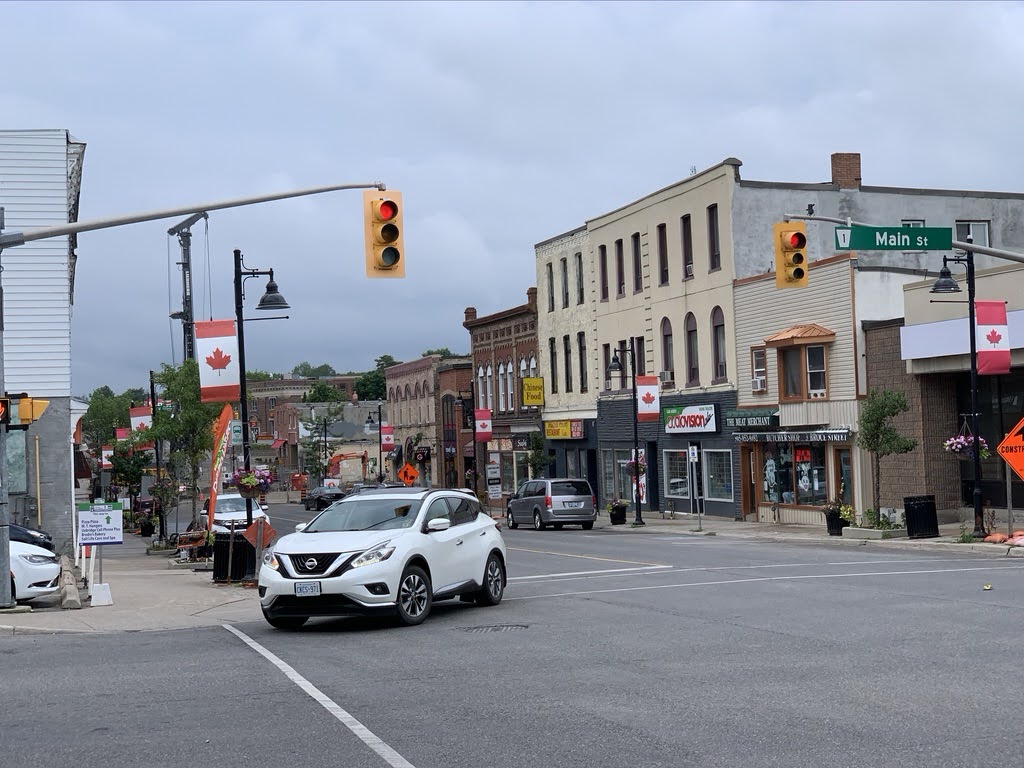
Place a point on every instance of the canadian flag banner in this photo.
(648, 403)
(992, 340)
(483, 424)
(121, 433)
(106, 452)
(217, 355)
(387, 438)
(142, 417)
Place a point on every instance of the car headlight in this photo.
(270, 560)
(40, 559)
(377, 554)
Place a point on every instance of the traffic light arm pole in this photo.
(42, 233)
(998, 253)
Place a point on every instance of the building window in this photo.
(640, 354)
(662, 255)
(510, 385)
(620, 270)
(677, 474)
(692, 367)
(606, 356)
(686, 238)
(667, 360)
(271, 402)
(721, 372)
(533, 366)
(794, 473)
(602, 260)
(758, 370)
(480, 399)
(803, 372)
(490, 387)
(271, 428)
(718, 475)
(624, 361)
(564, 265)
(551, 286)
(976, 230)
(567, 362)
(714, 246)
(638, 277)
(553, 354)
(501, 386)
(578, 258)
(912, 223)
(581, 344)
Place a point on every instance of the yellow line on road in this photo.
(583, 557)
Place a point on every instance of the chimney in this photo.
(846, 170)
(531, 298)
(470, 313)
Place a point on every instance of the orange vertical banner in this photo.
(220, 447)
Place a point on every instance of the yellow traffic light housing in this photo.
(790, 238)
(25, 410)
(382, 233)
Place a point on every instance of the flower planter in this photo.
(618, 514)
(248, 491)
(834, 523)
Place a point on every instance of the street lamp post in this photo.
(470, 397)
(616, 367)
(271, 300)
(380, 448)
(946, 284)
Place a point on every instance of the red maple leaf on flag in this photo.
(218, 360)
(648, 398)
(993, 337)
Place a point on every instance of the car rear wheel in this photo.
(510, 519)
(538, 522)
(414, 596)
(285, 622)
(588, 526)
(494, 582)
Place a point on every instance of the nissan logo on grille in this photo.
(311, 563)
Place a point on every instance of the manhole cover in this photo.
(495, 628)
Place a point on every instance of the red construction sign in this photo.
(408, 474)
(251, 532)
(1012, 449)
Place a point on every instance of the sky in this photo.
(502, 124)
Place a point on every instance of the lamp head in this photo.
(945, 283)
(272, 299)
(615, 366)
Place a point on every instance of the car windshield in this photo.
(365, 513)
(232, 504)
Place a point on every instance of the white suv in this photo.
(392, 550)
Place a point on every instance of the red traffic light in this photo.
(387, 210)
(797, 240)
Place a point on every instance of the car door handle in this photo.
(458, 543)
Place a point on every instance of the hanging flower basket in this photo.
(251, 484)
(634, 468)
(962, 446)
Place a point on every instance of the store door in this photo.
(748, 472)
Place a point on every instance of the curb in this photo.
(9, 630)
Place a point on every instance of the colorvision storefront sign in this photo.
(690, 419)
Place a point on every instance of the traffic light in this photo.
(5, 414)
(790, 254)
(30, 409)
(382, 219)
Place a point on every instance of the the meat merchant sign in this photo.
(688, 419)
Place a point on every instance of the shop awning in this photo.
(278, 443)
(808, 333)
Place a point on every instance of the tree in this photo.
(877, 435)
(372, 384)
(316, 441)
(307, 371)
(126, 466)
(135, 394)
(258, 376)
(187, 426)
(322, 392)
(538, 458)
(106, 411)
(444, 352)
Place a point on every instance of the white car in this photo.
(35, 571)
(229, 512)
(390, 550)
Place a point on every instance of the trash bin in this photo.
(241, 553)
(922, 520)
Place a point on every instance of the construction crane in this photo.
(184, 232)
(337, 458)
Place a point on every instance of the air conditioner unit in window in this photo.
(758, 384)
(816, 394)
(689, 270)
(666, 376)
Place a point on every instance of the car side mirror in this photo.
(301, 526)
(264, 507)
(439, 524)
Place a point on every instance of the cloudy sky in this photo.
(503, 124)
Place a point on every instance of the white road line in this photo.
(391, 757)
(588, 573)
(764, 578)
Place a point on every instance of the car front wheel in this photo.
(588, 526)
(285, 622)
(414, 596)
(510, 519)
(538, 522)
(494, 582)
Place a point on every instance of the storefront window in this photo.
(810, 477)
(608, 474)
(624, 482)
(508, 479)
(522, 459)
(572, 463)
(718, 475)
(794, 474)
(676, 475)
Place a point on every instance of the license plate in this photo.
(573, 504)
(307, 589)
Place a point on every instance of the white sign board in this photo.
(100, 524)
(690, 418)
(693, 453)
(235, 427)
(494, 491)
(493, 472)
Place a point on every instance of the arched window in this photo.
(692, 366)
(428, 403)
(501, 386)
(490, 387)
(510, 383)
(720, 372)
(667, 360)
(480, 387)
(522, 370)
(533, 365)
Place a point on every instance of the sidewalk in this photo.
(149, 593)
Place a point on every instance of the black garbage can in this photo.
(922, 520)
(241, 553)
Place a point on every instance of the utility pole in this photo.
(16, 238)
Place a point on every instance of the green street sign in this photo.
(894, 238)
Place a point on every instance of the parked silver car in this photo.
(552, 501)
